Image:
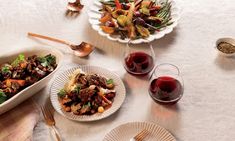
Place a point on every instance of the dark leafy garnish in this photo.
(50, 59)
(5, 69)
(47, 60)
(77, 89)
(18, 60)
(110, 81)
(3, 97)
(62, 93)
(89, 104)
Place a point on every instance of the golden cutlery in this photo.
(81, 50)
(140, 136)
(50, 121)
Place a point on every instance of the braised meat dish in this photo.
(23, 72)
(87, 94)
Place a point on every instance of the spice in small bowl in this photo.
(226, 46)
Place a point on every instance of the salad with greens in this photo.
(23, 72)
(134, 19)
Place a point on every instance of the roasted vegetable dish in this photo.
(23, 72)
(87, 94)
(134, 18)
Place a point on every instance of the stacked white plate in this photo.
(127, 131)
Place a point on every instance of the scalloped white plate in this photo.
(63, 78)
(126, 131)
(95, 14)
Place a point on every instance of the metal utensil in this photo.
(75, 6)
(81, 50)
(140, 136)
(49, 119)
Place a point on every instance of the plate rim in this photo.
(138, 122)
(122, 86)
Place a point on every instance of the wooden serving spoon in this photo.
(81, 50)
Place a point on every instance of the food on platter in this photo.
(134, 19)
(23, 72)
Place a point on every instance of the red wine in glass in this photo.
(166, 90)
(139, 63)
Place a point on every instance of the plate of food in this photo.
(25, 72)
(87, 93)
(136, 20)
(127, 131)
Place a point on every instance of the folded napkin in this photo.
(18, 124)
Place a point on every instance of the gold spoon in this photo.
(75, 6)
(82, 50)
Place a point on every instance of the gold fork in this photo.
(140, 136)
(50, 121)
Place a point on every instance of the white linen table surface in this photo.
(206, 111)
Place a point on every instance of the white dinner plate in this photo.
(63, 78)
(95, 15)
(126, 131)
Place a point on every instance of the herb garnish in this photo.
(47, 60)
(18, 60)
(3, 97)
(77, 89)
(87, 105)
(62, 93)
(5, 69)
(110, 81)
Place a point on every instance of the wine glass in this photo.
(166, 84)
(139, 59)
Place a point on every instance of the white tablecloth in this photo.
(206, 111)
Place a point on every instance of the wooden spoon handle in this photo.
(49, 38)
